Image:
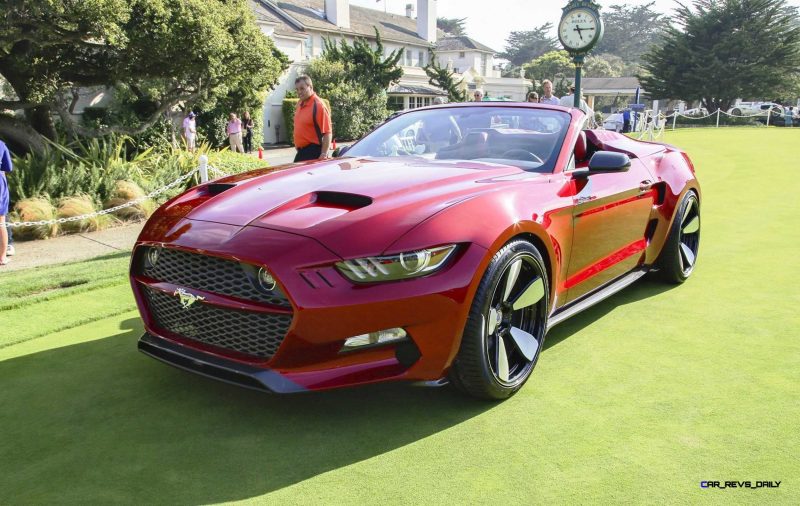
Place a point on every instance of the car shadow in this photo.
(100, 422)
(638, 291)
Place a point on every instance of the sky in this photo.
(490, 21)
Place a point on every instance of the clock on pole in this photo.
(580, 30)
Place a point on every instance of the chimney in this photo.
(426, 20)
(338, 12)
(410, 11)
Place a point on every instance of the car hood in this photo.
(352, 206)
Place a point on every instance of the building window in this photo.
(395, 103)
(462, 54)
(421, 59)
(456, 70)
(408, 57)
(309, 47)
(485, 64)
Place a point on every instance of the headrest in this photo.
(580, 147)
(476, 138)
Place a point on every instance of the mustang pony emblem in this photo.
(187, 299)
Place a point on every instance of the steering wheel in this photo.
(521, 154)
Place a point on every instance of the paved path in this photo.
(73, 247)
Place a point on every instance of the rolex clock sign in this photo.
(580, 30)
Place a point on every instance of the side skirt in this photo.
(592, 298)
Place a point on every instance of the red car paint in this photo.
(590, 231)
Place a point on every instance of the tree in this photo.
(366, 66)
(719, 51)
(353, 111)
(164, 52)
(524, 46)
(604, 65)
(452, 26)
(549, 66)
(443, 78)
(630, 30)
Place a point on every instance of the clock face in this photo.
(579, 29)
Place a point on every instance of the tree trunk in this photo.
(41, 119)
(20, 137)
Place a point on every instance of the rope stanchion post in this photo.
(718, 118)
(674, 119)
(203, 168)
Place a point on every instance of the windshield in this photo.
(527, 138)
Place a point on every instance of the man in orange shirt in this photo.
(312, 123)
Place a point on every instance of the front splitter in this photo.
(217, 368)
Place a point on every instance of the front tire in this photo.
(506, 325)
(679, 255)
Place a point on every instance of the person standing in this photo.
(5, 166)
(313, 131)
(234, 131)
(547, 95)
(626, 121)
(248, 125)
(478, 95)
(533, 97)
(190, 131)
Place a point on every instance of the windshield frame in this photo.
(548, 167)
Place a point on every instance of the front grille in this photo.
(211, 274)
(256, 334)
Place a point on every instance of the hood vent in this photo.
(217, 188)
(350, 201)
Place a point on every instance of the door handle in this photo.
(645, 186)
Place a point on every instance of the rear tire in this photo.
(679, 256)
(506, 325)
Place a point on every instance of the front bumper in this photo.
(326, 310)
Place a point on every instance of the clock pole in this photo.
(578, 61)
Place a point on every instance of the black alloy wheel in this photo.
(506, 326)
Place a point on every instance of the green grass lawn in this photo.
(635, 401)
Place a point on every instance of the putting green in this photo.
(637, 400)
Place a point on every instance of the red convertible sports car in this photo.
(440, 247)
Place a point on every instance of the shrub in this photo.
(354, 112)
(124, 192)
(77, 206)
(35, 209)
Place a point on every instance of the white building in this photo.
(299, 26)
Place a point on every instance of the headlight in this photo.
(396, 267)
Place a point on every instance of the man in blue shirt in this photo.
(5, 166)
(626, 121)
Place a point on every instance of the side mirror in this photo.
(603, 162)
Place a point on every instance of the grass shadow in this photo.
(100, 422)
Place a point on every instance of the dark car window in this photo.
(524, 137)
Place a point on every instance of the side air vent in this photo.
(217, 188)
(346, 200)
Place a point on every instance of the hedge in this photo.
(288, 108)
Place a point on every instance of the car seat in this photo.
(474, 145)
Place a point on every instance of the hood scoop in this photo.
(217, 188)
(349, 201)
(314, 208)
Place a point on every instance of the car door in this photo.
(610, 216)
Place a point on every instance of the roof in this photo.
(405, 89)
(610, 85)
(462, 43)
(311, 15)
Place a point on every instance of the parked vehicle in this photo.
(614, 122)
(754, 108)
(441, 256)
